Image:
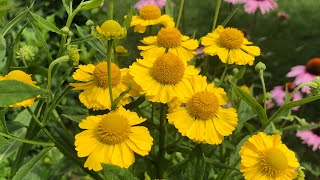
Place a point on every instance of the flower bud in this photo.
(260, 66)
(65, 30)
(111, 29)
(89, 23)
(26, 53)
(74, 56)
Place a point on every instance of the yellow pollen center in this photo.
(113, 128)
(149, 12)
(203, 105)
(168, 69)
(100, 74)
(231, 38)
(274, 162)
(169, 37)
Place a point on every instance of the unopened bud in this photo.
(260, 66)
(74, 56)
(89, 23)
(65, 30)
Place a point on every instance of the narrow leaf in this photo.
(92, 4)
(45, 23)
(225, 22)
(66, 5)
(14, 21)
(168, 9)
(3, 141)
(75, 118)
(12, 91)
(25, 169)
(3, 125)
(127, 21)
(217, 164)
(118, 99)
(3, 47)
(135, 103)
(251, 102)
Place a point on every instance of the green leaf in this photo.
(14, 21)
(217, 164)
(45, 23)
(3, 125)
(75, 118)
(3, 47)
(3, 141)
(112, 172)
(225, 22)
(95, 44)
(168, 9)
(66, 5)
(135, 103)
(26, 168)
(118, 99)
(251, 102)
(127, 21)
(91, 4)
(12, 91)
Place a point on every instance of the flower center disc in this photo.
(113, 128)
(203, 105)
(149, 12)
(168, 69)
(100, 74)
(313, 66)
(169, 37)
(276, 159)
(231, 38)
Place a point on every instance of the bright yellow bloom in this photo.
(150, 15)
(230, 45)
(112, 139)
(111, 29)
(163, 78)
(23, 77)
(95, 85)
(171, 40)
(265, 157)
(201, 117)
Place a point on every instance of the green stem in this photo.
(180, 13)
(216, 15)
(206, 61)
(162, 138)
(58, 60)
(264, 90)
(223, 75)
(111, 9)
(109, 55)
(298, 88)
(26, 140)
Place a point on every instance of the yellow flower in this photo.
(163, 78)
(230, 45)
(169, 39)
(23, 77)
(112, 139)
(111, 29)
(150, 15)
(201, 117)
(95, 85)
(266, 157)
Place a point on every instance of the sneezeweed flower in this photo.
(112, 139)
(265, 6)
(305, 73)
(163, 78)
(150, 15)
(311, 138)
(171, 40)
(94, 82)
(266, 157)
(158, 3)
(279, 93)
(230, 45)
(22, 77)
(111, 29)
(201, 116)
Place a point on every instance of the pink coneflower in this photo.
(159, 3)
(265, 5)
(305, 73)
(278, 94)
(311, 138)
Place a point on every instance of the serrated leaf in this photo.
(112, 172)
(251, 102)
(92, 4)
(75, 118)
(12, 91)
(95, 44)
(26, 168)
(45, 23)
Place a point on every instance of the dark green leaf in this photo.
(42, 41)
(75, 118)
(3, 125)
(127, 21)
(251, 102)
(12, 91)
(45, 23)
(14, 21)
(3, 47)
(26, 168)
(92, 4)
(135, 103)
(112, 172)
(3, 141)
(217, 164)
(225, 22)
(118, 99)
(93, 43)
